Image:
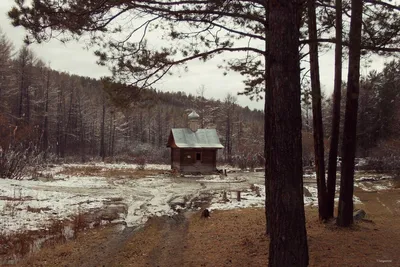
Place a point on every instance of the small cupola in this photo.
(193, 118)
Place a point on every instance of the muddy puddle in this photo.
(14, 248)
(19, 245)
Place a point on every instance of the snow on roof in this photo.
(202, 138)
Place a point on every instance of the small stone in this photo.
(205, 213)
(359, 215)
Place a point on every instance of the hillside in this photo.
(68, 117)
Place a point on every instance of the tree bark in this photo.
(102, 127)
(160, 131)
(110, 135)
(345, 214)
(60, 122)
(28, 105)
(267, 134)
(21, 88)
(46, 118)
(113, 136)
(82, 143)
(68, 128)
(228, 137)
(288, 237)
(334, 142)
(317, 112)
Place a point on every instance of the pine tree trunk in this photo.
(28, 105)
(110, 135)
(82, 141)
(317, 112)
(102, 131)
(160, 132)
(21, 95)
(267, 153)
(345, 214)
(267, 134)
(288, 237)
(141, 130)
(334, 143)
(60, 121)
(46, 118)
(113, 136)
(68, 127)
(81, 132)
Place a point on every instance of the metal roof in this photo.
(193, 115)
(202, 138)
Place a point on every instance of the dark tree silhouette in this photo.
(345, 214)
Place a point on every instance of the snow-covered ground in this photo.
(371, 186)
(249, 197)
(223, 179)
(35, 204)
(374, 182)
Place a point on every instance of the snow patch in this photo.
(370, 178)
(222, 179)
(371, 186)
(34, 205)
(249, 198)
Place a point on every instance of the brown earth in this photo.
(234, 238)
(109, 173)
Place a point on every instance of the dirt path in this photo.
(160, 243)
(234, 238)
(169, 252)
(385, 203)
(103, 254)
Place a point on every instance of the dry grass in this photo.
(139, 249)
(37, 210)
(69, 253)
(18, 199)
(109, 173)
(236, 238)
(24, 243)
(227, 238)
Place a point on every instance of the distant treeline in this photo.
(66, 116)
(70, 117)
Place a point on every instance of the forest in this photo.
(51, 115)
(63, 117)
(378, 114)
(59, 117)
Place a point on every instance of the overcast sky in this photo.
(75, 59)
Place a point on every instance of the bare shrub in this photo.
(82, 170)
(247, 160)
(18, 161)
(152, 154)
(79, 222)
(141, 163)
(384, 157)
(37, 210)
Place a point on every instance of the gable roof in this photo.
(202, 138)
